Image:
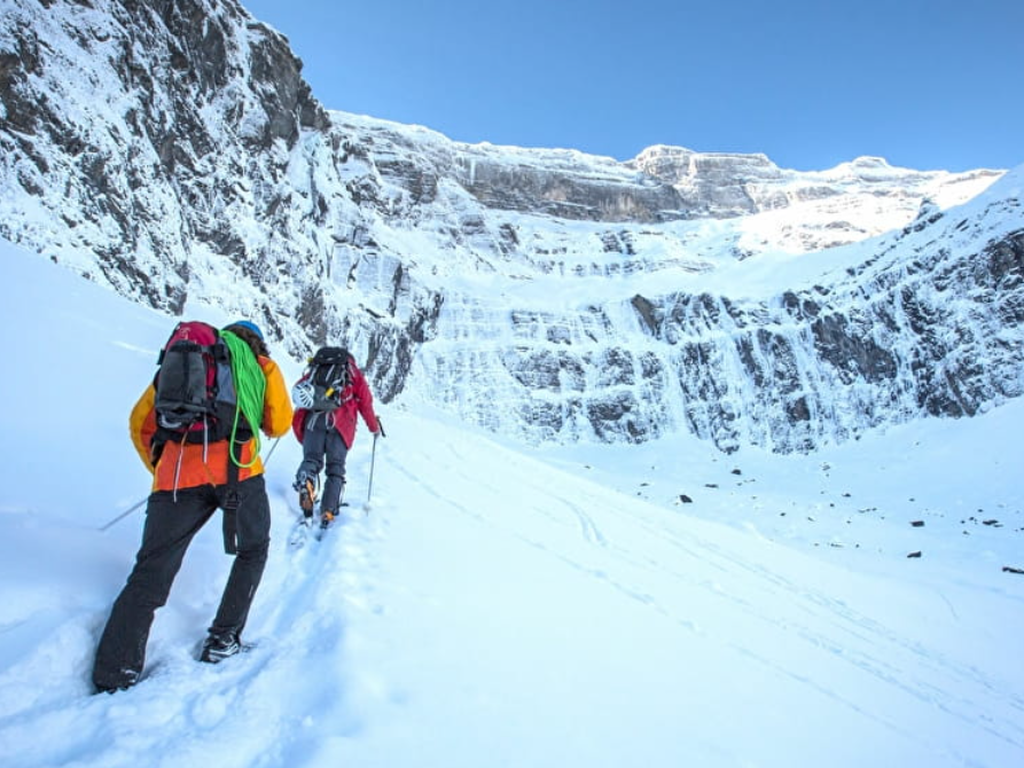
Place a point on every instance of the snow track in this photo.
(469, 606)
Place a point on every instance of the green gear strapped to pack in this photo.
(250, 386)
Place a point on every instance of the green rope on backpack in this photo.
(250, 386)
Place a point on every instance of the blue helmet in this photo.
(250, 325)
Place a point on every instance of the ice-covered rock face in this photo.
(546, 294)
(925, 322)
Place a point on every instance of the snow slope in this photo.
(496, 606)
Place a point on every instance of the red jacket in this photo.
(355, 398)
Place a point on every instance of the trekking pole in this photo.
(125, 513)
(373, 459)
(271, 451)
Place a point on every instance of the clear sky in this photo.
(926, 84)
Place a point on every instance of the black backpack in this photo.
(195, 391)
(329, 376)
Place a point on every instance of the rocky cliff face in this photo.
(544, 293)
(172, 115)
(920, 327)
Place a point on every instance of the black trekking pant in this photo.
(170, 526)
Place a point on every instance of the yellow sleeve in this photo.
(142, 425)
(277, 402)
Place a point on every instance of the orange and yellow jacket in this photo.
(188, 465)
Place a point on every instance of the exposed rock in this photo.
(190, 153)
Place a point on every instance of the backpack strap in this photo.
(230, 507)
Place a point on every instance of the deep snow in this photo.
(497, 605)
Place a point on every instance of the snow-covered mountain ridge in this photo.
(637, 298)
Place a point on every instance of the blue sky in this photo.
(927, 84)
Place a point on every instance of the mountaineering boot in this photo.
(126, 680)
(326, 518)
(111, 689)
(216, 648)
(307, 496)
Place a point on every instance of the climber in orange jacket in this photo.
(191, 480)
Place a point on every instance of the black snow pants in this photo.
(171, 523)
